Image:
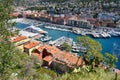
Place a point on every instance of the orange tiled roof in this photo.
(50, 49)
(48, 58)
(63, 57)
(17, 39)
(31, 45)
(15, 14)
(68, 58)
(91, 19)
(80, 62)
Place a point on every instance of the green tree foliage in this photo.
(8, 57)
(100, 74)
(37, 8)
(66, 47)
(57, 1)
(5, 11)
(110, 59)
(28, 68)
(14, 64)
(92, 54)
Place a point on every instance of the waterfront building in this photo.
(28, 14)
(111, 24)
(19, 41)
(107, 16)
(28, 48)
(107, 23)
(58, 20)
(93, 22)
(45, 18)
(77, 22)
(17, 15)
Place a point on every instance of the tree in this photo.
(92, 54)
(110, 59)
(66, 47)
(9, 57)
(5, 11)
(27, 70)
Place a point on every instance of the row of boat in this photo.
(55, 28)
(97, 33)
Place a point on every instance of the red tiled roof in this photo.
(50, 49)
(15, 14)
(31, 45)
(17, 39)
(68, 58)
(45, 15)
(61, 56)
(80, 62)
(48, 58)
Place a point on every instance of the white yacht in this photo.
(46, 38)
(35, 29)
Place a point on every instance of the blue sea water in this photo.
(110, 45)
(21, 26)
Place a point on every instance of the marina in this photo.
(107, 43)
(96, 33)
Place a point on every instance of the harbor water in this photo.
(110, 45)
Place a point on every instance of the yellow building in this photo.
(30, 47)
(20, 41)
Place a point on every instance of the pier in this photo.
(58, 42)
